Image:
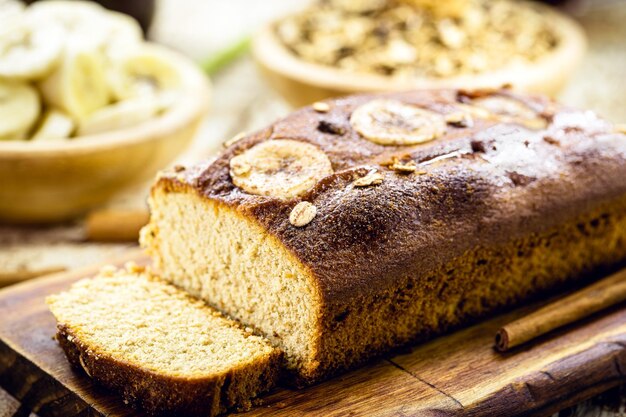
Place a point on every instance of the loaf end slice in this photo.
(160, 349)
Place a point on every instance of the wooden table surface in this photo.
(242, 102)
(456, 374)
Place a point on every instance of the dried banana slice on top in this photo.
(391, 122)
(281, 168)
(510, 110)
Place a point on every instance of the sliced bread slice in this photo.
(161, 349)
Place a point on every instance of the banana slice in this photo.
(510, 110)
(78, 85)
(145, 72)
(69, 12)
(124, 114)
(89, 24)
(123, 34)
(391, 122)
(281, 168)
(54, 125)
(19, 109)
(10, 10)
(80, 20)
(29, 51)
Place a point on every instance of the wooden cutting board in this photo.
(455, 375)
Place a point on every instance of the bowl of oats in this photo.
(338, 47)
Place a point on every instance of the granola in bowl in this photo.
(418, 38)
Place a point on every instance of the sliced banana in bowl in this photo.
(29, 49)
(125, 113)
(147, 70)
(280, 168)
(123, 35)
(54, 125)
(89, 24)
(71, 142)
(19, 108)
(89, 64)
(71, 14)
(78, 84)
(392, 122)
(10, 10)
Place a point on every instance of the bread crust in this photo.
(163, 395)
(425, 220)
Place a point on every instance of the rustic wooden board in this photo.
(458, 374)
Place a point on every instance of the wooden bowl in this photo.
(301, 82)
(54, 181)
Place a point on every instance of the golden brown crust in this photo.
(502, 181)
(159, 394)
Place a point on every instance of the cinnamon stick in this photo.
(583, 303)
(116, 225)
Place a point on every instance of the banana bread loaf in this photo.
(159, 348)
(364, 223)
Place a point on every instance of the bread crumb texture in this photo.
(135, 333)
(232, 263)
